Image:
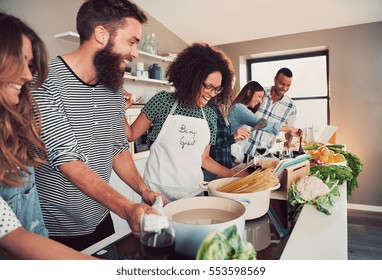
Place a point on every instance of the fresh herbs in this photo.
(332, 172)
(226, 245)
(355, 165)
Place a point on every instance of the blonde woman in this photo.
(23, 65)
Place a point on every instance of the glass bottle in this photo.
(150, 44)
(145, 45)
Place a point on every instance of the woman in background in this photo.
(23, 65)
(246, 104)
(243, 112)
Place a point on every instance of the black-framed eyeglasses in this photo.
(211, 88)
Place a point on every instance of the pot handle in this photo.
(245, 201)
(275, 187)
(203, 185)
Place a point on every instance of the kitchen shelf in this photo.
(158, 57)
(147, 80)
(75, 37)
(68, 36)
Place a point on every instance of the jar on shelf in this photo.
(155, 72)
(150, 44)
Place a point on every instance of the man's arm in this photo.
(124, 167)
(92, 185)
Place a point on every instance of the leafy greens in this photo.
(226, 245)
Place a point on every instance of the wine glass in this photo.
(260, 151)
(157, 237)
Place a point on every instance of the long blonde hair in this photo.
(20, 142)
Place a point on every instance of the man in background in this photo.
(276, 107)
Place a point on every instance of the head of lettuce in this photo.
(226, 245)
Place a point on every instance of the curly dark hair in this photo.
(108, 13)
(190, 69)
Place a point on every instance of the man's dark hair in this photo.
(286, 72)
(108, 13)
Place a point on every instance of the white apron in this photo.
(174, 164)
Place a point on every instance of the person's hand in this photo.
(133, 218)
(149, 197)
(297, 132)
(300, 133)
(241, 134)
(128, 98)
(243, 173)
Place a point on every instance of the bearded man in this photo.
(82, 109)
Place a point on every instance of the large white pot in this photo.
(195, 217)
(258, 201)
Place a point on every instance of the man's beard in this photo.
(108, 68)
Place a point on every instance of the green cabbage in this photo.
(226, 245)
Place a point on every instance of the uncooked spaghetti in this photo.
(258, 180)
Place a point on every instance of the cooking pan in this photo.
(195, 217)
(258, 201)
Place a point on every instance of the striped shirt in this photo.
(283, 112)
(79, 122)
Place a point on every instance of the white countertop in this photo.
(315, 236)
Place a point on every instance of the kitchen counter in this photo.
(315, 236)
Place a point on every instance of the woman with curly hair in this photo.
(181, 127)
(23, 66)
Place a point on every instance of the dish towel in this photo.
(153, 222)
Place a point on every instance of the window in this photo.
(309, 87)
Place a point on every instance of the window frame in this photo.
(325, 53)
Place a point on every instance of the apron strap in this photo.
(174, 107)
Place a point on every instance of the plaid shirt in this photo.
(221, 151)
(283, 111)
